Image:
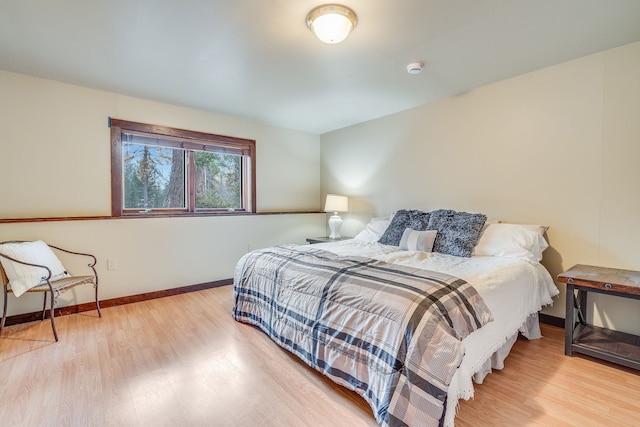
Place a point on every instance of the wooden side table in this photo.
(325, 239)
(580, 337)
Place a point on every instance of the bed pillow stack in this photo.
(457, 232)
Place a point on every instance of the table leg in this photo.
(569, 320)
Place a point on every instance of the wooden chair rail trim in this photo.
(151, 215)
(79, 308)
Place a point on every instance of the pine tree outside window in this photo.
(161, 170)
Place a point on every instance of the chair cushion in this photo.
(24, 277)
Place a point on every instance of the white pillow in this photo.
(521, 241)
(374, 230)
(489, 222)
(24, 277)
(415, 240)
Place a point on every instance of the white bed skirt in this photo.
(530, 330)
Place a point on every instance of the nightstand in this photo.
(580, 337)
(325, 239)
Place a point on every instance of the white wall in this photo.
(559, 146)
(55, 162)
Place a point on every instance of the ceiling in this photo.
(257, 59)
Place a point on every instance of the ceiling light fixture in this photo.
(332, 23)
(415, 68)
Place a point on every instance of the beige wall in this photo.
(55, 161)
(46, 123)
(160, 253)
(559, 146)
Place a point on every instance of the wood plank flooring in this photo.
(183, 361)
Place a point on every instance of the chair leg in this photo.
(4, 310)
(44, 305)
(97, 300)
(53, 323)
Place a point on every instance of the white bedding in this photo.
(514, 290)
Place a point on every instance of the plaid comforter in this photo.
(391, 333)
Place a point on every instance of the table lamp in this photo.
(336, 204)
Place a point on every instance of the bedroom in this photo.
(572, 126)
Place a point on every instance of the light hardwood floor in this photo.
(183, 361)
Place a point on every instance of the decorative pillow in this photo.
(521, 241)
(374, 230)
(458, 232)
(415, 240)
(402, 220)
(24, 277)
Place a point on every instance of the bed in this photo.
(336, 306)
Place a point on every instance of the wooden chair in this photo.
(55, 287)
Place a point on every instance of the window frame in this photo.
(190, 141)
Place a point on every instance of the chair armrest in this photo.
(76, 253)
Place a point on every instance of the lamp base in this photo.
(335, 222)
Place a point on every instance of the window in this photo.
(156, 170)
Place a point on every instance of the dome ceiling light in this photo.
(332, 23)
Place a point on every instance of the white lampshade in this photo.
(331, 23)
(336, 204)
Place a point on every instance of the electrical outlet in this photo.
(112, 264)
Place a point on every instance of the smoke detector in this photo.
(415, 68)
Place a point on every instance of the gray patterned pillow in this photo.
(458, 232)
(402, 220)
